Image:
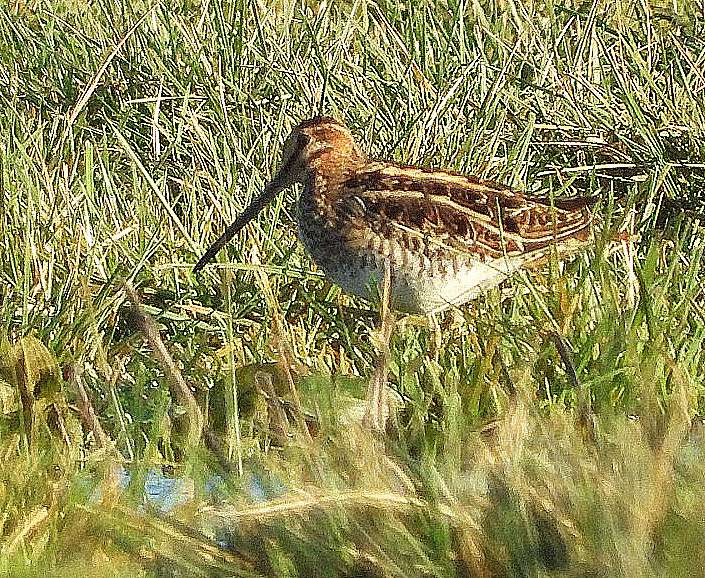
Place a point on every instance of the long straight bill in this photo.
(247, 215)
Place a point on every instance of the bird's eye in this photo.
(302, 140)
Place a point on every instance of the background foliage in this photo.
(132, 132)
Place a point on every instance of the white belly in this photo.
(416, 290)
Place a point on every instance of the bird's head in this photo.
(319, 144)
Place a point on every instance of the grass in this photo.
(132, 132)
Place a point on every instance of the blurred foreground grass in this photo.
(131, 133)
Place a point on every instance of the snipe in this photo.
(445, 236)
(431, 238)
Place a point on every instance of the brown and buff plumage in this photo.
(446, 236)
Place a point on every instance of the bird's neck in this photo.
(333, 167)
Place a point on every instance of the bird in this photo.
(447, 237)
(433, 238)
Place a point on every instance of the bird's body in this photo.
(446, 236)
